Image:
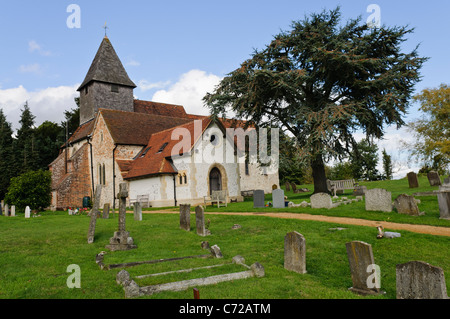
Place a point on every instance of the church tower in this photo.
(106, 84)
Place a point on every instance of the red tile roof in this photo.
(156, 162)
(149, 107)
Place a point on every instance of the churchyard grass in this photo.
(428, 204)
(35, 254)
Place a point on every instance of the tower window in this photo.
(162, 147)
(114, 88)
(86, 89)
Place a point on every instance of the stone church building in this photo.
(157, 148)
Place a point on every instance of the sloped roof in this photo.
(165, 109)
(156, 162)
(129, 128)
(107, 67)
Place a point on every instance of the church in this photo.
(167, 156)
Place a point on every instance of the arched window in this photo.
(180, 178)
(104, 175)
(100, 173)
(185, 178)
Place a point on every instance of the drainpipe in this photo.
(92, 163)
(114, 176)
(174, 190)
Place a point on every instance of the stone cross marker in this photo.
(121, 239)
(378, 199)
(419, 280)
(106, 211)
(321, 200)
(185, 217)
(278, 198)
(412, 180)
(200, 221)
(444, 204)
(27, 212)
(295, 252)
(94, 214)
(407, 205)
(433, 178)
(137, 210)
(360, 258)
(258, 199)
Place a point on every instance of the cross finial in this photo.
(105, 27)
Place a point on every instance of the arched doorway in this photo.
(215, 180)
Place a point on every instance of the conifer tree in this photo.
(6, 154)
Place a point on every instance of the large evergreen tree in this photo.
(25, 143)
(322, 81)
(6, 154)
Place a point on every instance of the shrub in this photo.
(32, 188)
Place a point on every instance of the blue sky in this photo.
(176, 51)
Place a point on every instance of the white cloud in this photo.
(189, 91)
(31, 68)
(133, 62)
(145, 85)
(33, 46)
(46, 104)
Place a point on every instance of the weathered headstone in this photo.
(378, 199)
(295, 252)
(258, 199)
(288, 187)
(185, 217)
(278, 198)
(447, 181)
(13, 211)
(406, 204)
(321, 200)
(94, 214)
(106, 211)
(444, 204)
(294, 187)
(122, 239)
(366, 280)
(200, 221)
(27, 212)
(137, 211)
(6, 210)
(433, 178)
(420, 280)
(412, 180)
(1, 210)
(359, 190)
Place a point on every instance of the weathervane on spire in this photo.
(105, 27)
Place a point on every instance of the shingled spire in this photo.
(106, 84)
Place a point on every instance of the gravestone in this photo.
(433, 178)
(412, 180)
(278, 198)
(94, 214)
(378, 199)
(200, 221)
(185, 217)
(294, 187)
(121, 239)
(106, 211)
(13, 211)
(419, 280)
(1, 210)
(137, 211)
(295, 252)
(288, 187)
(444, 204)
(361, 261)
(447, 181)
(407, 205)
(27, 212)
(359, 190)
(258, 199)
(321, 200)
(6, 210)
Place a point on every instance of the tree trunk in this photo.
(319, 177)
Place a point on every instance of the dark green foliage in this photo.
(321, 81)
(6, 154)
(32, 188)
(341, 171)
(387, 165)
(364, 160)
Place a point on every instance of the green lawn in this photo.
(428, 204)
(35, 254)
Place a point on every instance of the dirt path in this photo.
(423, 229)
